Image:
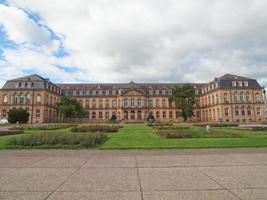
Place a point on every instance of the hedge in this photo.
(10, 132)
(95, 128)
(83, 140)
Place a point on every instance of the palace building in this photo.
(229, 98)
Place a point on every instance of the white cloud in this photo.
(144, 40)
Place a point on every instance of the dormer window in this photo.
(157, 92)
(150, 92)
(94, 92)
(100, 92)
(246, 83)
(163, 92)
(113, 92)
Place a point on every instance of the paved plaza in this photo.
(207, 174)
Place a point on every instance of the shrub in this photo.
(18, 115)
(174, 134)
(79, 139)
(10, 132)
(50, 127)
(95, 128)
(217, 124)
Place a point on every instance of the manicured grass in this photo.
(142, 137)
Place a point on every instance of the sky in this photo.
(78, 41)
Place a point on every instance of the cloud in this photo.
(142, 40)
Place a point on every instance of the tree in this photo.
(184, 98)
(18, 115)
(150, 118)
(70, 108)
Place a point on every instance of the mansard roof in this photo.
(233, 77)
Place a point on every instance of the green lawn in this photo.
(142, 137)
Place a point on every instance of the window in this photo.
(164, 114)
(5, 99)
(258, 111)
(157, 92)
(170, 114)
(107, 92)
(38, 98)
(212, 101)
(177, 114)
(100, 92)
(157, 103)
(100, 103)
(94, 103)
(243, 112)
(107, 103)
(37, 113)
(107, 115)
(233, 83)
(125, 102)
(139, 102)
(113, 103)
(236, 111)
(257, 97)
(170, 92)
(163, 92)
(242, 96)
(21, 100)
(249, 110)
(225, 97)
(113, 92)
(132, 102)
(217, 98)
(28, 98)
(139, 114)
(4, 113)
(150, 92)
(246, 83)
(94, 92)
(93, 115)
(150, 103)
(235, 97)
(157, 114)
(226, 111)
(87, 104)
(100, 115)
(164, 103)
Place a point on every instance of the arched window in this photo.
(257, 97)
(4, 113)
(241, 96)
(15, 99)
(249, 110)
(107, 103)
(37, 113)
(235, 97)
(21, 100)
(132, 102)
(125, 102)
(243, 112)
(5, 99)
(28, 98)
(38, 98)
(236, 111)
(225, 97)
(157, 103)
(139, 102)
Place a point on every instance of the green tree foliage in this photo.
(18, 115)
(184, 98)
(70, 108)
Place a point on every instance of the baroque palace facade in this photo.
(229, 98)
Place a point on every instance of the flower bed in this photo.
(96, 128)
(80, 140)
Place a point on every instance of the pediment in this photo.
(133, 92)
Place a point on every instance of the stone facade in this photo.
(229, 98)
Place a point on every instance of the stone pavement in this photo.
(208, 174)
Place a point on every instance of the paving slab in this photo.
(61, 162)
(111, 161)
(4, 171)
(23, 195)
(34, 179)
(19, 161)
(212, 160)
(232, 177)
(190, 195)
(175, 179)
(251, 194)
(103, 179)
(161, 161)
(95, 196)
(250, 159)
